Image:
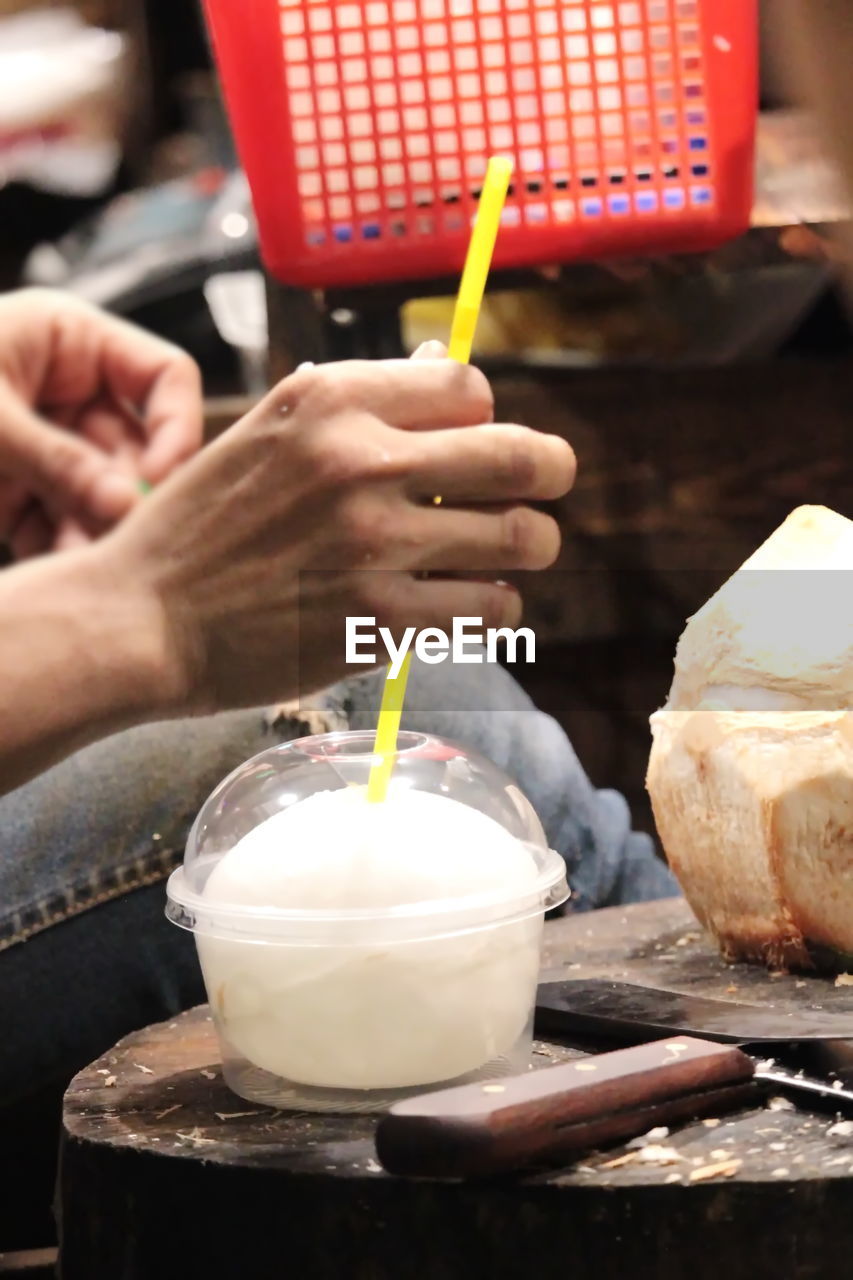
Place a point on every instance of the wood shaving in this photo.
(110, 1082)
(620, 1161)
(209, 1075)
(844, 1129)
(731, 990)
(672, 1177)
(720, 1154)
(710, 1124)
(161, 1115)
(844, 980)
(724, 1169)
(195, 1135)
(235, 1115)
(780, 1104)
(146, 1071)
(779, 1173)
(103, 1071)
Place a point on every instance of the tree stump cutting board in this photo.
(165, 1173)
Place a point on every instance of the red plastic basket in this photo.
(365, 128)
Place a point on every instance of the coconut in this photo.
(751, 768)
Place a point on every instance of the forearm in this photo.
(80, 657)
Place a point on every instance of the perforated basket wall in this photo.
(365, 128)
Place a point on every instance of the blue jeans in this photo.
(86, 955)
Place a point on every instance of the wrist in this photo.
(116, 637)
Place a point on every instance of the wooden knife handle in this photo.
(502, 1125)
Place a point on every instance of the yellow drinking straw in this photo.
(465, 316)
(470, 297)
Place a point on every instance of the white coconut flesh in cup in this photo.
(346, 1007)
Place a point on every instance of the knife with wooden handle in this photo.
(507, 1124)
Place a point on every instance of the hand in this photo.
(89, 407)
(318, 505)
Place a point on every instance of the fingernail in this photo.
(432, 350)
(114, 495)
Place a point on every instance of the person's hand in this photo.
(92, 410)
(319, 505)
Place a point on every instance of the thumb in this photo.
(69, 475)
(430, 351)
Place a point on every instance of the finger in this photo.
(173, 421)
(69, 535)
(112, 429)
(14, 499)
(91, 352)
(164, 384)
(492, 463)
(68, 474)
(409, 394)
(399, 600)
(511, 537)
(32, 536)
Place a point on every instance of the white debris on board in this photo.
(779, 1173)
(658, 1155)
(653, 1135)
(780, 1104)
(110, 1082)
(209, 1075)
(235, 1115)
(146, 1071)
(710, 1124)
(161, 1115)
(843, 1129)
(844, 980)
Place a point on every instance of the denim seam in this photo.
(135, 875)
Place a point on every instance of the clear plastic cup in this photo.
(322, 1005)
